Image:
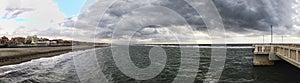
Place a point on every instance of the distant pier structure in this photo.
(266, 54)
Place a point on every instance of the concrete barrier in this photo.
(267, 54)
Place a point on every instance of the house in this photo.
(18, 40)
(67, 41)
(42, 43)
(59, 41)
(1, 43)
(31, 39)
(4, 40)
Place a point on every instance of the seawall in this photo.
(10, 56)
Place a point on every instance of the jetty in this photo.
(265, 55)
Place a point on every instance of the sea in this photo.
(98, 66)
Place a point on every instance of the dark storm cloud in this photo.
(122, 8)
(239, 16)
(104, 34)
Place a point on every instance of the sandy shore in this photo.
(10, 56)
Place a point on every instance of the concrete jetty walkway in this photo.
(267, 54)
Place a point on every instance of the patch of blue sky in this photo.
(18, 20)
(22, 20)
(70, 8)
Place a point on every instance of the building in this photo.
(42, 43)
(18, 40)
(4, 40)
(31, 39)
(67, 42)
(53, 42)
(43, 39)
(58, 40)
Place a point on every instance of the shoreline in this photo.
(10, 56)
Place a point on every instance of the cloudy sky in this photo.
(149, 21)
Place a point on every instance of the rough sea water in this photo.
(238, 67)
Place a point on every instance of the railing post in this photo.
(280, 50)
(262, 48)
(289, 52)
(297, 57)
(256, 48)
(285, 52)
(272, 50)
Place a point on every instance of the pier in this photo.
(266, 54)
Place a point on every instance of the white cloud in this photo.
(45, 14)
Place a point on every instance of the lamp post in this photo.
(271, 34)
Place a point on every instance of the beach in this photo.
(9, 56)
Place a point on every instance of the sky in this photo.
(151, 21)
(70, 8)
